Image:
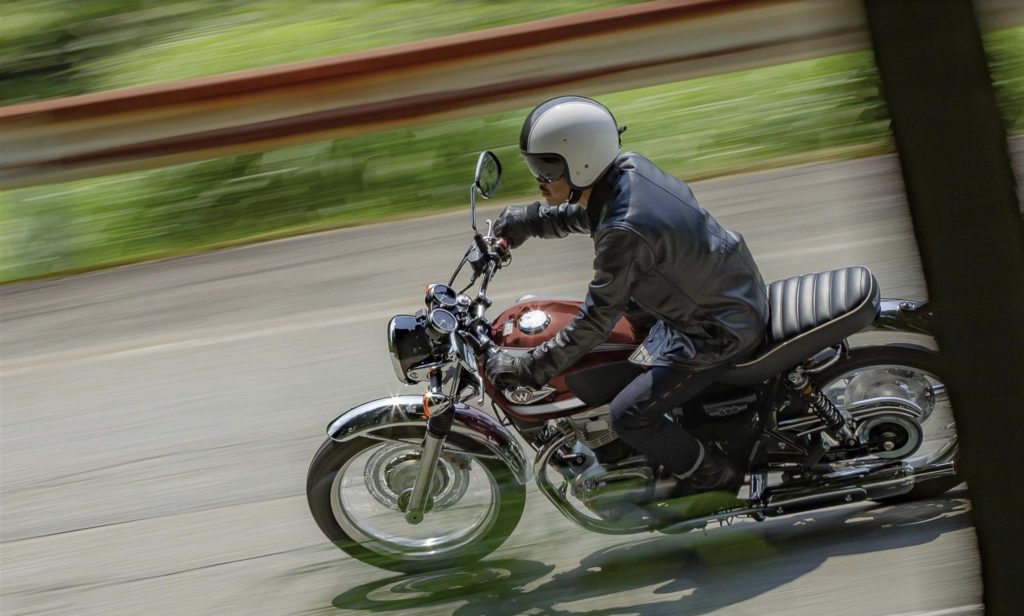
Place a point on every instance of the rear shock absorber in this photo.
(839, 422)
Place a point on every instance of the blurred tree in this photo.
(701, 127)
(47, 44)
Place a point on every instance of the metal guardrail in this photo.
(456, 76)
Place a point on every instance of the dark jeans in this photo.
(638, 415)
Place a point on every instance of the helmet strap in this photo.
(574, 195)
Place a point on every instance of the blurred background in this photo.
(822, 109)
(158, 419)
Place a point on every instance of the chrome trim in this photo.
(410, 549)
(557, 497)
(914, 432)
(758, 482)
(852, 485)
(376, 415)
(527, 395)
(862, 409)
(425, 473)
(422, 372)
(842, 349)
(395, 362)
(561, 405)
(439, 327)
(891, 481)
(943, 469)
(534, 322)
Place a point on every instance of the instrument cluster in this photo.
(420, 339)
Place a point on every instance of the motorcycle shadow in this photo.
(693, 573)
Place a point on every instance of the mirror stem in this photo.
(472, 204)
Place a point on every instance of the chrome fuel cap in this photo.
(534, 322)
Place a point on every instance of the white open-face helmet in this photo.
(572, 137)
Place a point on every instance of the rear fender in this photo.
(486, 434)
(904, 315)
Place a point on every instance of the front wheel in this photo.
(912, 374)
(355, 488)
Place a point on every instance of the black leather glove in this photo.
(512, 225)
(508, 371)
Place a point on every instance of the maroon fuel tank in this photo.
(529, 323)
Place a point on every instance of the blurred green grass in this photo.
(826, 108)
(64, 47)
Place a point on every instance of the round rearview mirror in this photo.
(488, 174)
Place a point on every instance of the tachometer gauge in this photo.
(440, 295)
(442, 321)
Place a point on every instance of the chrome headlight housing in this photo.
(409, 345)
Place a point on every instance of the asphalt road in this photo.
(158, 421)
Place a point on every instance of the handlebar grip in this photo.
(481, 245)
(484, 340)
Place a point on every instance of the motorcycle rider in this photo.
(654, 248)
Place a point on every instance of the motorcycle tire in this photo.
(913, 357)
(332, 458)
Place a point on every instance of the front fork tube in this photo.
(439, 423)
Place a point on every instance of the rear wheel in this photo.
(912, 374)
(354, 490)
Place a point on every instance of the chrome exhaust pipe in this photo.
(899, 480)
(806, 502)
(943, 469)
(780, 501)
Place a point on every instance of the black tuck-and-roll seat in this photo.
(807, 314)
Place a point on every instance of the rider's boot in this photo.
(709, 489)
(716, 473)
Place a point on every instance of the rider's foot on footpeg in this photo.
(716, 473)
(700, 505)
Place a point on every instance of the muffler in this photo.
(784, 504)
(851, 488)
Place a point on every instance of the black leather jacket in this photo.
(655, 246)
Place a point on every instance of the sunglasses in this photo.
(546, 168)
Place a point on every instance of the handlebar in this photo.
(487, 255)
(481, 244)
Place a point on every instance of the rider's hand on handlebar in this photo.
(507, 370)
(512, 225)
(502, 247)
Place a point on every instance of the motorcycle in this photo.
(417, 482)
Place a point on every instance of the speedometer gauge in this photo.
(442, 321)
(440, 295)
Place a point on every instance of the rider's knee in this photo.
(630, 418)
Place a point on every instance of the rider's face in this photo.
(556, 192)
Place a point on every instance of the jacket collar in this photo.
(603, 190)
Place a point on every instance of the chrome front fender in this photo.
(483, 430)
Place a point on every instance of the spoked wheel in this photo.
(357, 491)
(910, 374)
